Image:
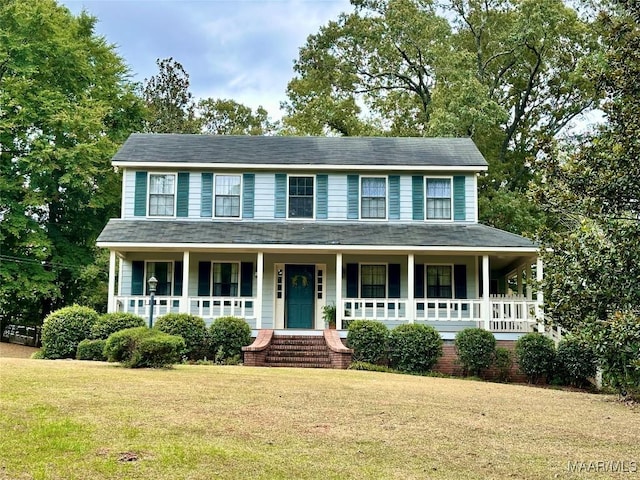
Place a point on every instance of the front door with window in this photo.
(299, 295)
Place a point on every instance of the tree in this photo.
(65, 106)
(170, 105)
(228, 117)
(592, 193)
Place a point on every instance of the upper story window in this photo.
(438, 198)
(373, 203)
(300, 197)
(439, 281)
(373, 281)
(225, 279)
(162, 194)
(227, 197)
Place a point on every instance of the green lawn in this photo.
(85, 420)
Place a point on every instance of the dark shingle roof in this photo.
(262, 151)
(301, 233)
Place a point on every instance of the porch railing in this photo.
(205, 307)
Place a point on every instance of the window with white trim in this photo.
(439, 281)
(300, 197)
(373, 201)
(226, 278)
(438, 198)
(163, 272)
(227, 196)
(373, 281)
(162, 188)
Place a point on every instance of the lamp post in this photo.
(153, 283)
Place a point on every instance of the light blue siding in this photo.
(195, 193)
(129, 179)
(406, 198)
(264, 199)
(337, 197)
(471, 196)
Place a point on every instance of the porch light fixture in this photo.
(153, 283)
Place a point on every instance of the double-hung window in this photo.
(300, 197)
(373, 281)
(225, 279)
(438, 198)
(439, 281)
(163, 272)
(227, 198)
(373, 202)
(161, 195)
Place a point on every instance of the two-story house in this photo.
(273, 229)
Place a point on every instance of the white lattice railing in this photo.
(205, 307)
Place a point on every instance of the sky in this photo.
(238, 49)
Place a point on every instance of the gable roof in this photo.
(259, 151)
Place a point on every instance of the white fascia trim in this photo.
(312, 248)
(288, 167)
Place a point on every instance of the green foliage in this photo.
(503, 362)
(329, 315)
(109, 323)
(576, 361)
(228, 117)
(38, 355)
(369, 340)
(228, 335)
(144, 347)
(476, 349)
(190, 327)
(414, 348)
(91, 350)
(371, 367)
(536, 355)
(64, 329)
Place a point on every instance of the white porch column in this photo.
(540, 298)
(486, 302)
(339, 309)
(529, 282)
(111, 306)
(411, 260)
(184, 302)
(120, 264)
(260, 279)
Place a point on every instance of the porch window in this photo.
(438, 199)
(373, 281)
(225, 279)
(227, 201)
(300, 197)
(161, 195)
(163, 271)
(373, 203)
(439, 281)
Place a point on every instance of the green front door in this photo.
(299, 295)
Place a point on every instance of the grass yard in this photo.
(90, 420)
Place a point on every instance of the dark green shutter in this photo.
(322, 197)
(246, 279)
(281, 196)
(394, 197)
(353, 194)
(182, 200)
(417, 195)
(352, 280)
(206, 198)
(248, 194)
(460, 280)
(140, 196)
(459, 207)
(204, 279)
(394, 280)
(418, 281)
(137, 277)
(177, 279)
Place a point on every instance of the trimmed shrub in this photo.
(190, 327)
(369, 340)
(228, 335)
(371, 367)
(143, 347)
(114, 322)
(91, 350)
(476, 350)
(37, 355)
(536, 355)
(575, 361)
(503, 362)
(414, 348)
(64, 329)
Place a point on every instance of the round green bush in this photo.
(190, 327)
(575, 361)
(536, 355)
(228, 335)
(64, 329)
(476, 349)
(113, 322)
(144, 347)
(369, 340)
(503, 361)
(91, 350)
(414, 348)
